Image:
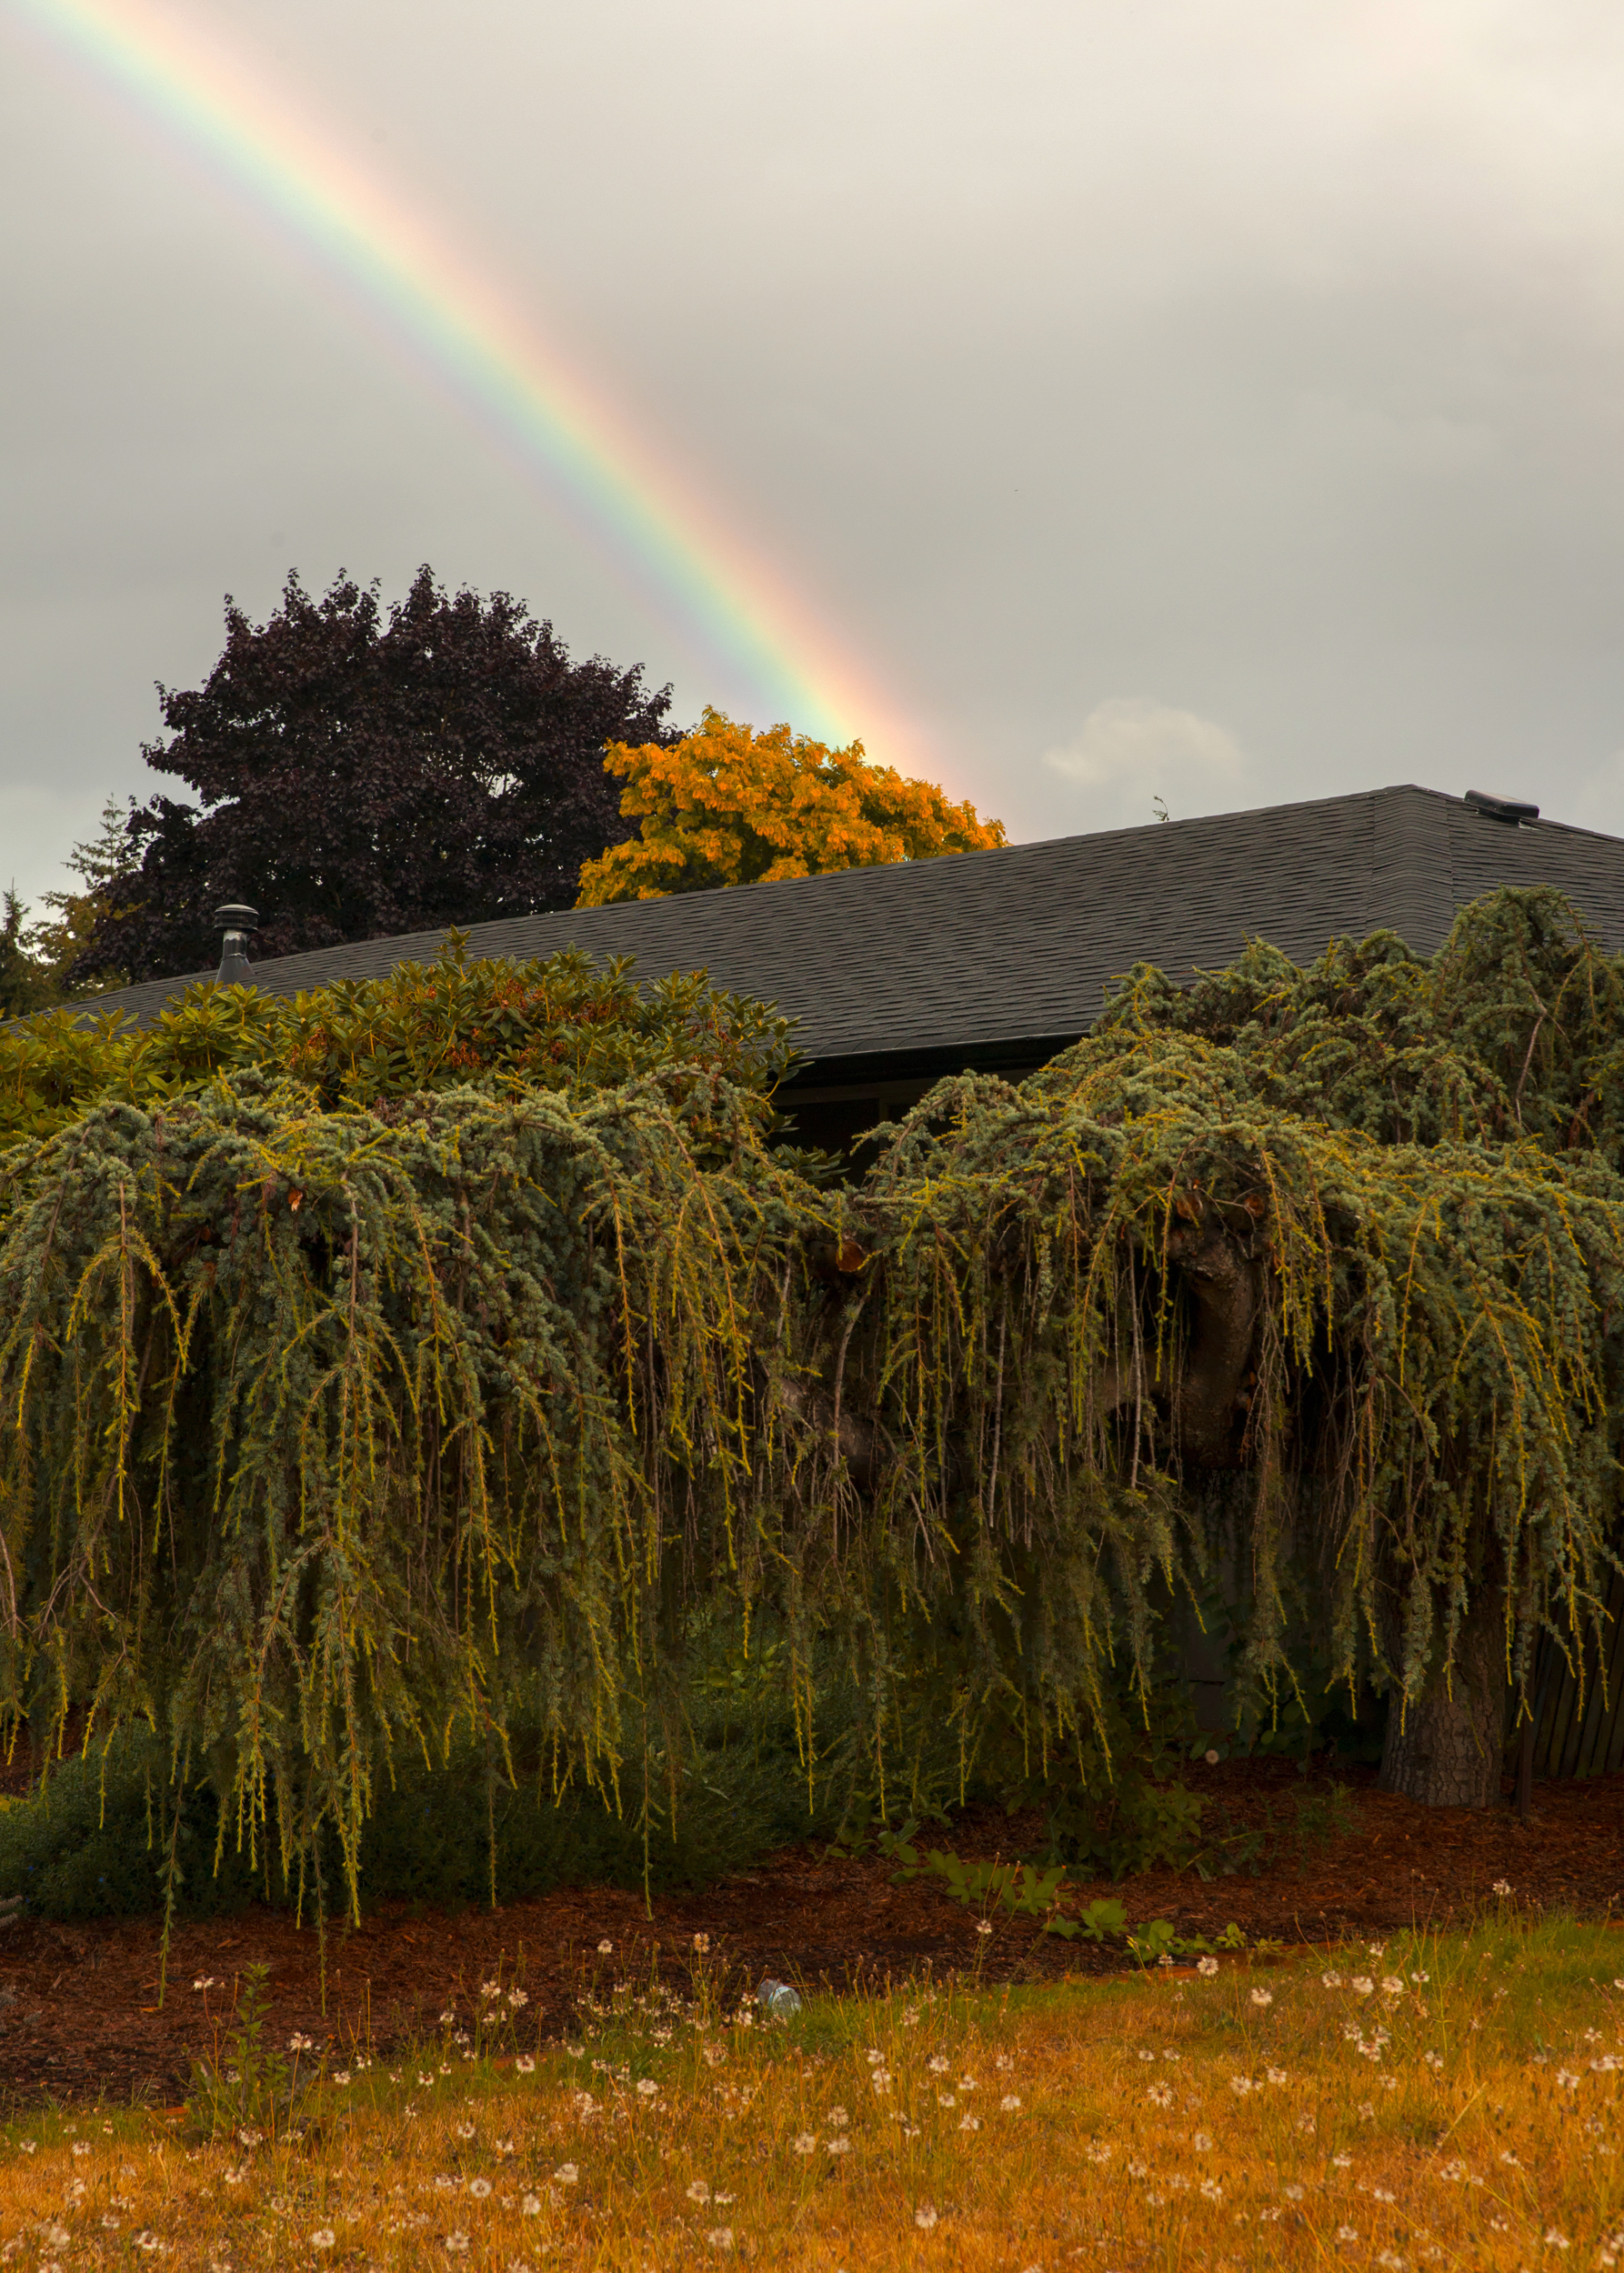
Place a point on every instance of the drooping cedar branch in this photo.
(324, 1431)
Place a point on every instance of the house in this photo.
(994, 960)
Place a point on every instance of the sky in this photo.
(1086, 403)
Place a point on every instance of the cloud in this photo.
(1599, 800)
(1132, 750)
(38, 827)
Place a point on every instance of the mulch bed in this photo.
(81, 2017)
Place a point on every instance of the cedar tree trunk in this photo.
(1445, 1748)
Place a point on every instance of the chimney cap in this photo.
(236, 917)
(1508, 809)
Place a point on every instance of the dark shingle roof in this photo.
(983, 952)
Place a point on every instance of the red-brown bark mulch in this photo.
(81, 2016)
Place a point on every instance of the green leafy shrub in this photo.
(97, 1841)
(564, 1023)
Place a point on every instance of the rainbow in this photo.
(714, 588)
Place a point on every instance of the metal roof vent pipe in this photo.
(236, 923)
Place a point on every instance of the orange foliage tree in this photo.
(726, 805)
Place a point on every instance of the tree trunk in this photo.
(1445, 1748)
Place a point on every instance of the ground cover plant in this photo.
(1431, 2099)
(353, 1409)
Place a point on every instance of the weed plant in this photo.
(1431, 2100)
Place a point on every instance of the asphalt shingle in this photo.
(991, 950)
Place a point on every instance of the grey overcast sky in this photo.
(1212, 398)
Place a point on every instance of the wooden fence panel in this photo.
(1581, 1723)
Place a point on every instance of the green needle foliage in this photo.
(331, 1435)
(379, 1394)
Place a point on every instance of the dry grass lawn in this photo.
(1449, 2101)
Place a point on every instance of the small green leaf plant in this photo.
(250, 2092)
